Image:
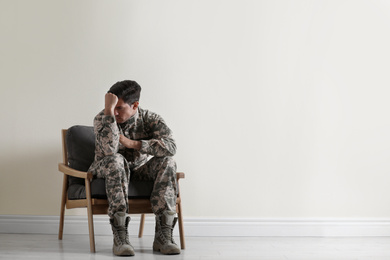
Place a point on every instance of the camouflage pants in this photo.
(116, 172)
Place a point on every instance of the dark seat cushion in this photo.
(80, 142)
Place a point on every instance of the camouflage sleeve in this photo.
(161, 144)
(106, 134)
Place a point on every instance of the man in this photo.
(134, 143)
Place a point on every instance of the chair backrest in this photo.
(79, 146)
(80, 149)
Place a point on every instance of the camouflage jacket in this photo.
(145, 126)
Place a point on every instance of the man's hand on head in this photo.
(128, 143)
(110, 102)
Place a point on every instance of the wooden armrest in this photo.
(72, 172)
(180, 175)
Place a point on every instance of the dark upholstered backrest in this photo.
(80, 142)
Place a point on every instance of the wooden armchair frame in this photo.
(100, 206)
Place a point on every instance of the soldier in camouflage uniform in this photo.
(135, 144)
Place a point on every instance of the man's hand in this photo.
(110, 102)
(128, 143)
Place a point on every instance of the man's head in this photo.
(128, 90)
(128, 93)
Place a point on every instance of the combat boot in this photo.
(163, 238)
(119, 225)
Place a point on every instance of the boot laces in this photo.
(118, 238)
(164, 231)
(166, 234)
(122, 235)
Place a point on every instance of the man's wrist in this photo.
(108, 112)
(131, 144)
(135, 144)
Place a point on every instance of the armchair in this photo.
(81, 190)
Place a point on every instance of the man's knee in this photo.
(170, 162)
(112, 165)
(115, 160)
(166, 162)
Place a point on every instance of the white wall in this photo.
(279, 108)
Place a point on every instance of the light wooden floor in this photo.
(19, 246)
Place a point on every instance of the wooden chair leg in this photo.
(181, 227)
(91, 231)
(141, 225)
(90, 216)
(62, 213)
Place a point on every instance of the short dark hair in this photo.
(128, 90)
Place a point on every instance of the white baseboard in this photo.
(204, 226)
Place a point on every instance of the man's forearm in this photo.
(159, 147)
(106, 134)
(108, 112)
(131, 144)
(135, 145)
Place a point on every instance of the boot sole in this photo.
(167, 252)
(123, 253)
